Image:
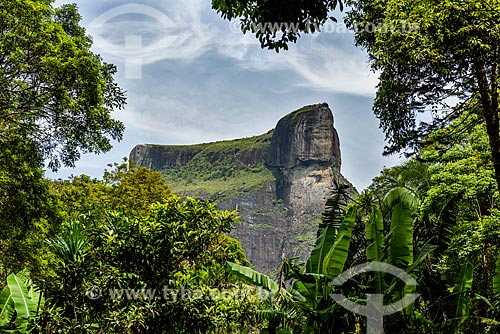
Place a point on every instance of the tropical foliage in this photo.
(446, 66)
(28, 213)
(306, 304)
(55, 91)
(20, 303)
(435, 217)
(123, 254)
(138, 274)
(125, 188)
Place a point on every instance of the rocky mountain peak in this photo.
(304, 137)
(278, 182)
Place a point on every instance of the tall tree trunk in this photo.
(489, 101)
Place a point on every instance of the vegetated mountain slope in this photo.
(278, 181)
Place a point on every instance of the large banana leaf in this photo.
(496, 278)
(461, 289)
(401, 194)
(23, 304)
(324, 243)
(34, 293)
(253, 277)
(16, 297)
(374, 230)
(6, 307)
(375, 233)
(334, 260)
(403, 203)
(309, 289)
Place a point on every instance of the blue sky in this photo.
(193, 77)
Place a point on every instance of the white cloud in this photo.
(159, 34)
(169, 30)
(322, 65)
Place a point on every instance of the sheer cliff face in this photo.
(305, 137)
(305, 149)
(296, 167)
(157, 157)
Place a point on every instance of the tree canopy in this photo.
(55, 91)
(28, 213)
(148, 269)
(124, 188)
(447, 65)
(276, 23)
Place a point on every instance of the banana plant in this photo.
(395, 247)
(20, 302)
(496, 278)
(374, 229)
(403, 204)
(332, 247)
(309, 296)
(311, 288)
(253, 277)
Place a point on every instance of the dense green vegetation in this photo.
(125, 254)
(179, 246)
(56, 99)
(452, 56)
(127, 231)
(436, 217)
(56, 93)
(222, 169)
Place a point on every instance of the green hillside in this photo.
(222, 169)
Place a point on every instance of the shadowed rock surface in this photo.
(305, 137)
(278, 181)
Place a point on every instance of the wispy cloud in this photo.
(324, 66)
(172, 30)
(156, 33)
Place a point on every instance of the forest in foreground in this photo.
(123, 254)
